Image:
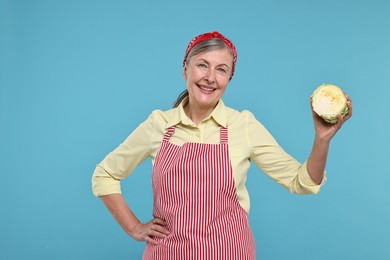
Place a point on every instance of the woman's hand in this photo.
(155, 228)
(326, 131)
(150, 230)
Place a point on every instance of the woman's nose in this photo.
(210, 75)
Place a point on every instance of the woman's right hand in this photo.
(150, 230)
(155, 228)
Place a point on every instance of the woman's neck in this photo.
(196, 113)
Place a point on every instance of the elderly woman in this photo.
(201, 151)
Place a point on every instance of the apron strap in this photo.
(169, 133)
(224, 135)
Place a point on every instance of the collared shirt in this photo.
(249, 141)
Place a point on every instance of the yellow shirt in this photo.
(248, 141)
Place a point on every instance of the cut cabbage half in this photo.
(329, 101)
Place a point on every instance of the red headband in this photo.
(206, 36)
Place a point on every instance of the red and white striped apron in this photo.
(194, 192)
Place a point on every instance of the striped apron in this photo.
(194, 192)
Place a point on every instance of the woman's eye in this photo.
(202, 65)
(222, 70)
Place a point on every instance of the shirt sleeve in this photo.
(121, 162)
(275, 162)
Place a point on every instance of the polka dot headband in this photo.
(210, 35)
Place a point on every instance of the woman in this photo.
(201, 151)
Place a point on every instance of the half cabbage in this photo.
(329, 101)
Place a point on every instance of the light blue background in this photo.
(78, 76)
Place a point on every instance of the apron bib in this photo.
(194, 192)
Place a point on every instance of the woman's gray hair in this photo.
(204, 46)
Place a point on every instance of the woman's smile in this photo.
(206, 88)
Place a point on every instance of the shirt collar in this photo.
(218, 115)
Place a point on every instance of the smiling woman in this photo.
(201, 151)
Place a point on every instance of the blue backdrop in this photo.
(76, 77)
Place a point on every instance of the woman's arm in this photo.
(130, 223)
(324, 134)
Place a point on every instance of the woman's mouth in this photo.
(207, 89)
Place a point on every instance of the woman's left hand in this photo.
(326, 131)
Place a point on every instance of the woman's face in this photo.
(207, 75)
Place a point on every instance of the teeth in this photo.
(207, 89)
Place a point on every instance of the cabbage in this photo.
(328, 101)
